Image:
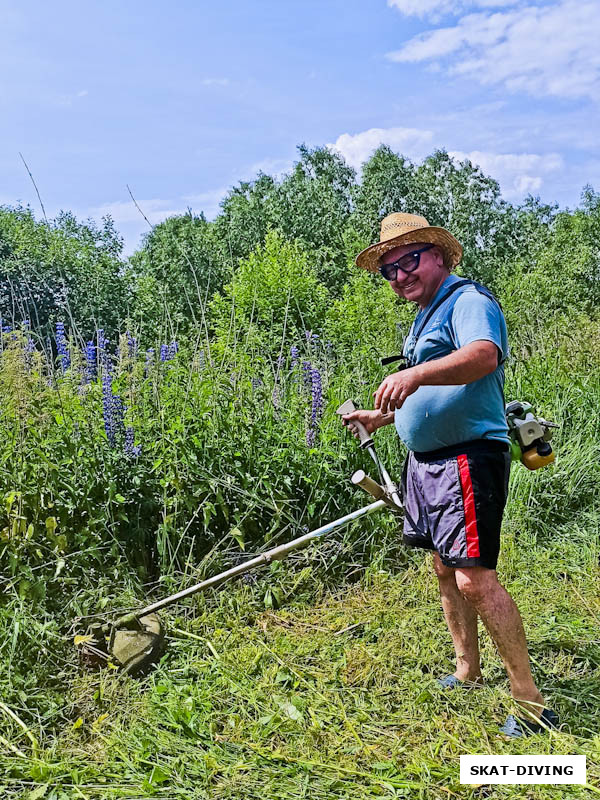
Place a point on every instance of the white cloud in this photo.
(437, 8)
(518, 174)
(207, 202)
(66, 100)
(157, 210)
(132, 225)
(541, 50)
(215, 82)
(357, 148)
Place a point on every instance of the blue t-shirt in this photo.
(441, 416)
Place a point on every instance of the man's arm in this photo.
(465, 365)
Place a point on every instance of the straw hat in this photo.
(398, 229)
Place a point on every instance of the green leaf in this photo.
(157, 776)
(51, 525)
(288, 708)
(239, 537)
(38, 792)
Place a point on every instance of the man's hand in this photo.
(394, 390)
(372, 420)
(465, 365)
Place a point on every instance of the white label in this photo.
(522, 769)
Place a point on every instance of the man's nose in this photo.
(401, 278)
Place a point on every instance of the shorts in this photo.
(454, 501)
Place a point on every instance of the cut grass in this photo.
(332, 696)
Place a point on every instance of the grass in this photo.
(331, 696)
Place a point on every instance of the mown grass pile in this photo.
(138, 458)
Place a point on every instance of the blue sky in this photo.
(183, 100)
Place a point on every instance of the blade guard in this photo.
(136, 647)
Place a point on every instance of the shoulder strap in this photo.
(455, 286)
(435, 306)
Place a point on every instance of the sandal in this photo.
(452, 682)
(516, 727)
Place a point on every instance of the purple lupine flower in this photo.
(113, 410)
(91, 364)
(118, 412)
(256, 384)
(101, 339)
(130, 448)
(173, 350)
(316, 392)
(164, 352)
(62, 347)
(295, 355)
(29, 351)
(107, 406)
(306, 374)
(132, 346)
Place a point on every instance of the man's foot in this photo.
(452, 682)
(516, 727)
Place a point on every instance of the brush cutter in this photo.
(136, 640)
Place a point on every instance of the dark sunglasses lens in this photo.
(389, 271)
(409, 262)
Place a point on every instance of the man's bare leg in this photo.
(500, 615)
(461, 619)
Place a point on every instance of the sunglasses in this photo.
(407, 263)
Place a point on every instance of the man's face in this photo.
(421, 285)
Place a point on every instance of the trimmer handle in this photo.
(365, 437)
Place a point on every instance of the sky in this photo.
(182, 100)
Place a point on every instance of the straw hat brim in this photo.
(451, 247)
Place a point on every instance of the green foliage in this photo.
(387, 185)
(246, 216)
(174, 274)
(65, 270)
(274, 297)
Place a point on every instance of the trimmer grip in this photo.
(361, 479)
(365, 437)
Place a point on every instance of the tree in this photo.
(60, 270)
(387, 185)
(177, 270)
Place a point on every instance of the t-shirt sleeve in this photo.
(476, 317)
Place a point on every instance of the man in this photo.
(448, 408)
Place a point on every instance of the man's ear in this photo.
(439, 255)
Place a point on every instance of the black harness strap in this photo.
(422, 324)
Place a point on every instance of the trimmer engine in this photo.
(530, 435)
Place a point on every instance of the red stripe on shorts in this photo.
(469, 506)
